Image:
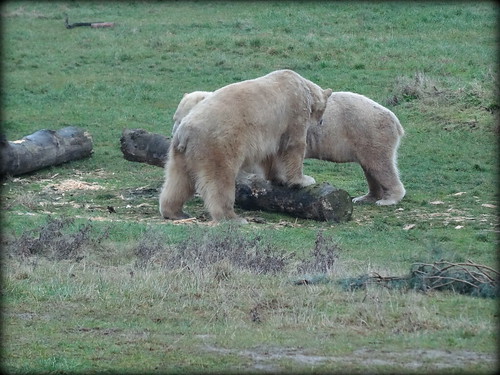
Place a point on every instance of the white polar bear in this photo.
(354, 129)
(189, 100)
(357, 129)
(263, 121)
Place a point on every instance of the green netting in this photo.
(463, 278)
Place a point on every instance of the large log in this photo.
(44, 148)
(322, 202)
(144, 147)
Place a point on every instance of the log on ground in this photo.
(44, 148)
(144, 147)
(321, 202)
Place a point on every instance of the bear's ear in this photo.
(184, 94)
(327, 93)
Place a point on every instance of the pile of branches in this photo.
(465, 278)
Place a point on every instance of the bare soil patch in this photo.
(265, 358)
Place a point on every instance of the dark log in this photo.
(322, 202)
(94, 25)
(44, 148)
(144, 147)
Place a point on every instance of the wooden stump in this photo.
(44, 148)
(322, 202)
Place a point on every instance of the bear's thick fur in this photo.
(354, 129)
(357, 129)
(254, 122)
(188, 101)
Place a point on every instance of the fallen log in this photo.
(322, 202)
(144, 147)
(95, 25)
(44, 148)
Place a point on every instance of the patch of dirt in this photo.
(430, 358)
(265, 358)
(140, 204)
(446, 214)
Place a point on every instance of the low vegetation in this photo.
(93, 279)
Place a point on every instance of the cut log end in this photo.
(141, 146)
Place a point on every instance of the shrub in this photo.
(324, 254)
(226, 248)
(54, 240)
(205, 248)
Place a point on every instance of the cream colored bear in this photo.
(254, 122)
(357, 129)
(186, 104)
(354, 129)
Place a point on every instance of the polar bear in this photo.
(357, 129)
(354, 129)
(263, 120)
(188, 101)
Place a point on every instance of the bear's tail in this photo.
(401, 131)
(399, 127)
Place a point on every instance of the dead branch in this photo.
(94, 25)
(425, 277)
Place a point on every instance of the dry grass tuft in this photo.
(324, 255)
(55, 240)
(228, 249)
(417, 87)
(474, 94)
(206, 247)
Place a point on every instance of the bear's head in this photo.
(318, 102)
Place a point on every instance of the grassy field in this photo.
(86, 290)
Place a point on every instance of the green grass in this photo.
(102, 310)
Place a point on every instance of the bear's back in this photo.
(267, 103)
(362, 111)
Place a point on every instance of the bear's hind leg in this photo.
(218, 194)
(392, 194)
(177, 189)
(375, 189)
(388, 179)
(385, 186)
